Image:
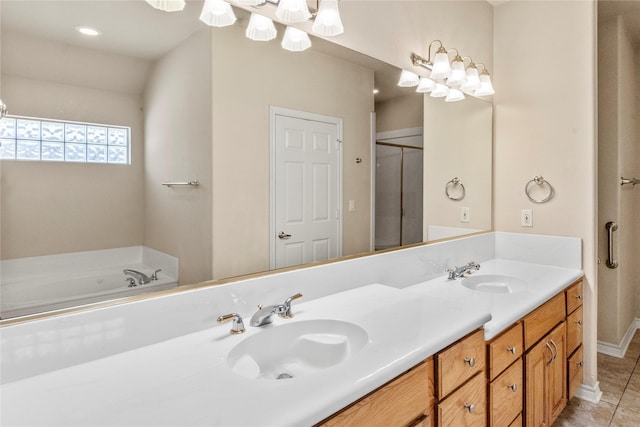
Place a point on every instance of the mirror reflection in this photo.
(204, 104)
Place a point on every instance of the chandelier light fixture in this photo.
(448, 79)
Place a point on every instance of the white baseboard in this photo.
(619, 350)
(589, 393)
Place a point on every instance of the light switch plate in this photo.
(526, 218)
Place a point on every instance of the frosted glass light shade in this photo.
(425, 85)
(472, 80)
(217, 13)
(441, 67)
(457, 74)
(440, 91)
(295, 40)
(260, 28)
(251, 2)
(454, 95)
(328, 22)
(293, 11)
(167, 5)
(486, 88)
(408, 79)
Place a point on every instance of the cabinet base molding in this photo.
(589, 393)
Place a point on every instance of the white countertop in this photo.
(186, 380)
(542, 283)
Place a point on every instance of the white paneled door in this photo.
(306, 187)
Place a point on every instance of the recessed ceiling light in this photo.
(88, 31)
(376, 91)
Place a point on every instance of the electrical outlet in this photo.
(526, 218)
(352, 205)
(465, 213)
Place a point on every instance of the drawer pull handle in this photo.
(470, 406)
(512, 350)
(579, 297)
(470, 360)
(580, 363)
(579, 322)
(513, 387)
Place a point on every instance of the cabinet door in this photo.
(535, 362)
(557, 373)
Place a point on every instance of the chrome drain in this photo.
(283, 376)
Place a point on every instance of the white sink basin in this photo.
(295, 349)
(494, 284)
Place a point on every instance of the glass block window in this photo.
(26, 138)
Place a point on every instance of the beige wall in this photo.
(248, 78)
(544, 62)
(45, 208)
(618, 155)
(178, 148)
(457, 143)
(402, 112)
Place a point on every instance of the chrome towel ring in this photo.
(538, 180)
(455, 182)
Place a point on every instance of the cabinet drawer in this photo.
(574, 297)
(459, 362)
(543, 319)
(397, 403)
(465, 407)
(504, 350)
(576, 371)
(505, 396)
(574, 330)
(425, 421)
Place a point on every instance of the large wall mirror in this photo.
(199, 104)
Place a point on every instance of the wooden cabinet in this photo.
(459, 362)
(504, 350)
(545, 378)
(405, 401)
(543, 319)
(575, 360)
(505, 396)
(466, 406)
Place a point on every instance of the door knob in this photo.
(283, 235)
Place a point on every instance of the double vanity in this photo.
(387, 339)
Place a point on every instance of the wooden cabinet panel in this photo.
(574, 330)
(397, 403)
(557, 373)
(574, 296)
(504, 350)
(538, 323)
(575, 368)
(505, 396)
(465, 407)
(517, 422)
(459, 362)
(425, 421)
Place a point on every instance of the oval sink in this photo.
(494, 284)
(295, 349)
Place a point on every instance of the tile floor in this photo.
(620, 386)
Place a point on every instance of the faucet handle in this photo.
(286, 313)
(238, 324)
(154, 276)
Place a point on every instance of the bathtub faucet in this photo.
(141, 277)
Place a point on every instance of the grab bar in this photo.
(632, 181)
(193, 183)
(611, 227)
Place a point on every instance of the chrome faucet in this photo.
(461, 271)
(264, 315)
(141, 277)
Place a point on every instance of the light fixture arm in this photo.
(441, 49)
(485, 71)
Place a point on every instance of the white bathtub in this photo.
(38, 284)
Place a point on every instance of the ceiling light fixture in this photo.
(217, 13)
(295, 40)
(167, 5)
(260, 28)
(449, 79)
